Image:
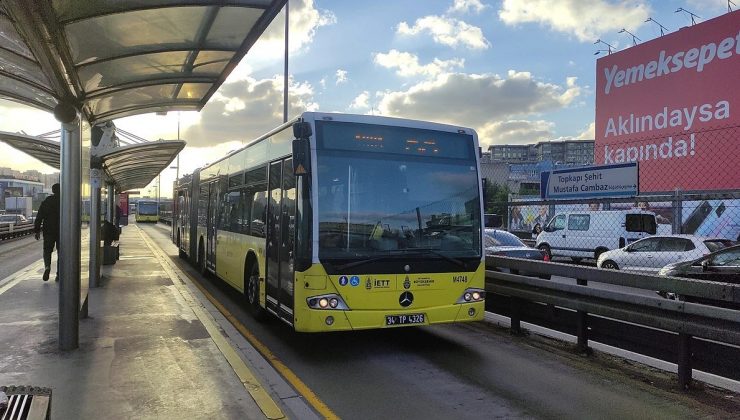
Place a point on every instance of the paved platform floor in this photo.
(145, 351)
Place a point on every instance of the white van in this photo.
(586, 234)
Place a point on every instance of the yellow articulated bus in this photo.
(147, 211)
(343, 222)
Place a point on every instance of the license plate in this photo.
(407, 319)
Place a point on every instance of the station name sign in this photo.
(591, 181)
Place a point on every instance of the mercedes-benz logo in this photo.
(406, 299)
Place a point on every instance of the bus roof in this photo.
(343, 117)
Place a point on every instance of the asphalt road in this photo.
(455, 371)
(16, 254)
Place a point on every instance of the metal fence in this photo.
(689, 185)
(598, 228)
(8, 231)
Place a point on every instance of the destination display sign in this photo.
(591, 181)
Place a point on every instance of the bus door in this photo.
(213, 195)
(287, 233)
(280, 229)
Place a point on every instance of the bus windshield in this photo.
(391, 199)
(147, 208)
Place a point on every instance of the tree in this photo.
(496, 198)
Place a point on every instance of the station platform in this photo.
(149, 348)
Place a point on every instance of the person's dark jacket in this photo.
(48, 216)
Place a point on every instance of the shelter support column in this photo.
(95, 180)
(111, 203)
(69, 227)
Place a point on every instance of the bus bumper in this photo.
(316, 320)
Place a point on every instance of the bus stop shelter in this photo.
(90, 62)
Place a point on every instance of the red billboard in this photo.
(673, 105)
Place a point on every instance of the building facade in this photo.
(11, 187)
(571, 152)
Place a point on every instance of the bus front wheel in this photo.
(253, 294)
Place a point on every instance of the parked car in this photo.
(653, 253)
(587, 234)
(721, 266)
(12, 219)
(502, 243)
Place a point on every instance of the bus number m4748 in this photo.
(459, 279)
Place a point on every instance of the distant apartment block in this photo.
(578, 152)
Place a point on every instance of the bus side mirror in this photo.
(302, 130)
(301, 156)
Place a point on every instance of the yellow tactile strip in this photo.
(263, 400)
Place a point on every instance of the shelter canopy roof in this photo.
(130, 166)
(115, 58)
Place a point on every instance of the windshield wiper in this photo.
(359, 262)
(426, 251)
(402, 253)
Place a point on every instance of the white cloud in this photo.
(341, 76)
(305, 20)
(407, 64)
(466, 6)
(447, 31)
(16, 118)
(589, 133)
(586, 20)
(476, 100)
(514, 132)
(260, 109)
(710, 6)
(361, 101)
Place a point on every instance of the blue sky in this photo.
(515, 70)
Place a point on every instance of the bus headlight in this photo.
(472, 296)
(328, 302)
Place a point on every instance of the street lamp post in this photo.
(177, 171)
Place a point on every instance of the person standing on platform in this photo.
(47, 221)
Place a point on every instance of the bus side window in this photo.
(259, 211)
(234, 212)
(247, 197)
(222, 220)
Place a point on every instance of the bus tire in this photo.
(252, 292)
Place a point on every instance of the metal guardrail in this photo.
(687, 319)
(15, 230)
(166, 220)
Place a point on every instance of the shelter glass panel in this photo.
(209, 62)
(194, 90)
(68, 10)
(22, 67)
(11, 39)
(231, 27)
(132, 97)
(130, 69)
(134, 32)
(36, 97)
